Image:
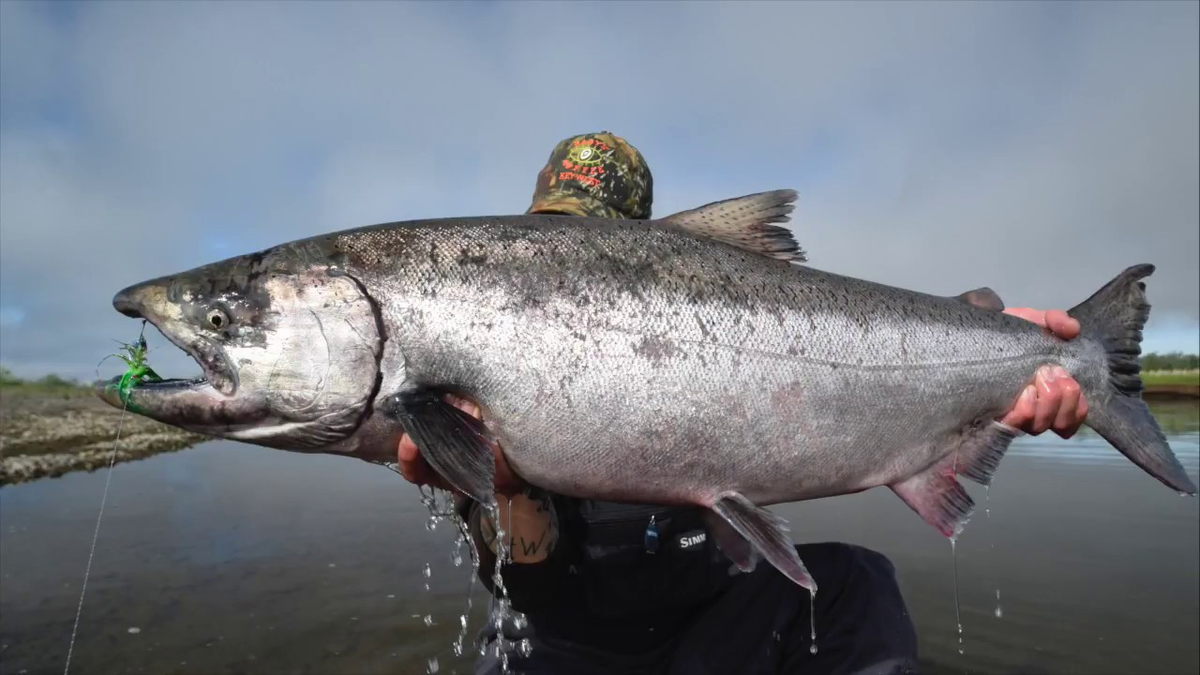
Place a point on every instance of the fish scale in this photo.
(692, 359)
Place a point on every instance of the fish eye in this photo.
(217, 318)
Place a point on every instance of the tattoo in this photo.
(535, 531)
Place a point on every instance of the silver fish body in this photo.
(687, 360)
(683, 369)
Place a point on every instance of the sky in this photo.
(1038, 149)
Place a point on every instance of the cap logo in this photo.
(585, 161)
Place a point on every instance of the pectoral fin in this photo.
(457, 445)
(761, 531)
(732, 544)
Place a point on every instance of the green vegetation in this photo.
(1173, 371)
(50, 385)
(1158, 378)
(1170, 361)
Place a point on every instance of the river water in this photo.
(226, 558)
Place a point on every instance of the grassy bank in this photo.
(1171, 377)
(1172, 384)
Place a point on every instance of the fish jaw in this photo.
(191, 404)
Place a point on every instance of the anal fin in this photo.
(937, 496)
(764, 532)
(980, 454)
(457, 445)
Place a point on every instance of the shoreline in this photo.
(1171, 392)
(50, 434)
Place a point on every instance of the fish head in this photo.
(289, 351)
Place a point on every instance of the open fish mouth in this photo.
(204, 403)
(110, 389)
(216, 371)
(147, 393)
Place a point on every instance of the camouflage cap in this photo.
(599, 175)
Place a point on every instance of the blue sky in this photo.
(1035, 148)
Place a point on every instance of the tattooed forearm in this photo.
(534, 528)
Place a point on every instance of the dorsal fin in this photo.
(982, 297)
(746, 222)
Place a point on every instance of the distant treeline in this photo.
(1170, 361)
(51, 381)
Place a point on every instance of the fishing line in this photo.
(100, 516)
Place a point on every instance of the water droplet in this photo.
(957, 613)
(456, 558)
(428, 619)
(391, 596)
(333, 564)
(812, 621)
(426, 587)
(525, 647)
(134, 630)
(519, 621)
(428, 571)
(999, 611)
(431, 665)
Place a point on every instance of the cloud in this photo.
(1038, 149)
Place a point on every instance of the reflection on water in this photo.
(231, 558)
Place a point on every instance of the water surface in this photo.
(226, 558)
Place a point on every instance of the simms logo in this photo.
(692, 539)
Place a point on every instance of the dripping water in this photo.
(500, 600)
(812, 621)
(464, 535)
(437, 513)
(500, 606)
(957, 613)
(992, 543)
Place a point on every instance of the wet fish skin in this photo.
(686, 360)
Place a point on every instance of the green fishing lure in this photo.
(137, 370)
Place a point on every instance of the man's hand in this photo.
(417, 470)
(532, 529)
(1054, 400)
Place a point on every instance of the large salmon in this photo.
(684, 360)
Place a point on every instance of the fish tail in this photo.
(1115, 316)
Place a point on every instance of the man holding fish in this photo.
(628, 588)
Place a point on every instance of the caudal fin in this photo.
(1115, 316)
